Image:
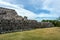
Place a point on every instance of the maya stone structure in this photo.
(10, 21)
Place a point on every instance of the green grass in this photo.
(37, 34)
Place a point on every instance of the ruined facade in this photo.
(10, 21)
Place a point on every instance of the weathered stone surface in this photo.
(10, 21)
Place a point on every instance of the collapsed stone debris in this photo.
(10, 22)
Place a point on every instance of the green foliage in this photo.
(55, 22)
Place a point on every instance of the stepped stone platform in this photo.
(10, 22)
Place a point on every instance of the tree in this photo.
(58, 18)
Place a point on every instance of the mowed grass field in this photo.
(37, 34)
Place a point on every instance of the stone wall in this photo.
(21, 25)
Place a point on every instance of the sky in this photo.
(34, 9)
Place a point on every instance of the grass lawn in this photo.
(37, 34)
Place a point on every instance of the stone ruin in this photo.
(10, 22)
